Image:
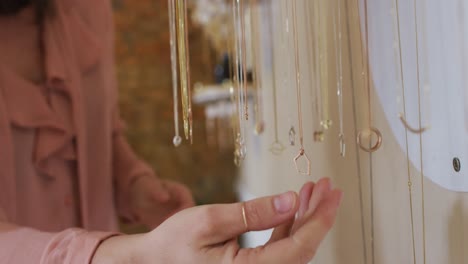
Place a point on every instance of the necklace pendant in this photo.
(300, 160)
(319, 136)
(277, 148)
(177, 141)
(259, 128)
(342, 146)
(326, 124)
(292, 136)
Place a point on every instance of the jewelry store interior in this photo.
(249, 98)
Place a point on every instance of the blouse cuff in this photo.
(72, 246)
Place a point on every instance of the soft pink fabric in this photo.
(63, 160)
(31, 246)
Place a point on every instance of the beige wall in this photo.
(265, 173)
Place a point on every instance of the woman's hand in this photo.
(154, 200)
(208, 234)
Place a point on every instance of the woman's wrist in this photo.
(121, 249)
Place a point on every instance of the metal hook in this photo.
(302, 154)
(410, 128)
(369, 131)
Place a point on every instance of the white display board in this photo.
(443, 74)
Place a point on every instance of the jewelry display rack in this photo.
(369, 93)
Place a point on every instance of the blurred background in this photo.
(145, 85)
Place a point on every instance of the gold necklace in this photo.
(400, 77)
(370, 130)
(276, 147)
(239, 84)
(339, 72)
(302, 154)
(184, 67)
(409, 128)
(355, 15)
(313, 54)
(286, 76)
(402, 116)
(322, 96)
(257, 67)
(243, 57)
(177, 140)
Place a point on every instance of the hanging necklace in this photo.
(325, 122)
(256, 67)
(353, 94)
(421, 174)
(177, 140)
(302, 154)
(314, 65)
(370, 130)
(184, 67)
(339, 72)
(285, 43)
(400, 78)
(403, 100)
(240, 147)
(276, 147)
(243, 57)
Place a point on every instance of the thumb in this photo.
(229, 221)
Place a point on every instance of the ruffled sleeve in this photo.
(25, 245)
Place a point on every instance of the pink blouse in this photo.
(64, 163)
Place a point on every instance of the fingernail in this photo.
(284, 202)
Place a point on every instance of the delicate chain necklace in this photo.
(370, 130)
(243, 57)
(313, 54)
(325, 121)
(398, 52)
(286, 46)
(184, 67)
(302, 154)
(365, 53)
(355, 16)
(400, 78)
(339, 72)
(276, 147)
(240, 80)
(177, 140)
(421, 173)
(257, 67)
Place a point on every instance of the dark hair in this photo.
(11, 7)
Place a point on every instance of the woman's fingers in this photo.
(323, 186)
(301, 246)
(219, 223)
(281, 231)
(304, 198)
(284, 230)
